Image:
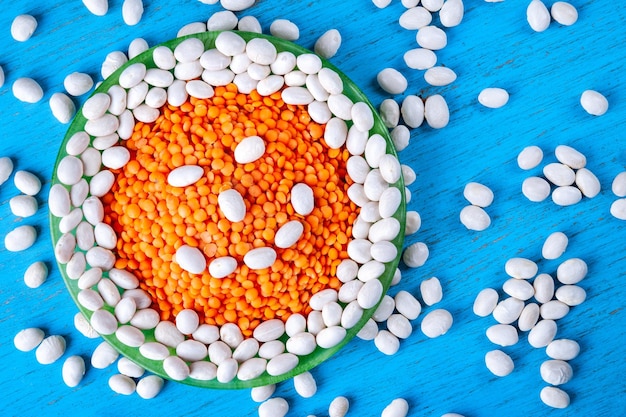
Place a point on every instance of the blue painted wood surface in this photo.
(494, 46)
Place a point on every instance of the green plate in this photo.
(306, 362)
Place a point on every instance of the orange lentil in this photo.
(153, 219)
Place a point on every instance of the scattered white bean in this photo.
(73, 370)
(535, 189)
(475, 218)
(23, 27)
(529, 157)
(564, 13)
(436, 112)
(594, 102)
(571, 271)
(553, 310)
(149, 386)
(431, 37)
(50, 349)
(23, 205)
(529, 317)
(502, 334)
(420, 58)
(412, 111)
(415, 255)
(508, 310)
(587, 183)
(563, 349)
(439, 76)
(274, 407)
(542, 334)
(122, 384)
(618, 209)
(338, 407)
(20, 238)
(103, 355)
(521, 268)
(554, 397)
(97, 7)
(499, 363)
(36, 274)
(132, 11)
(493, 97)
(485, 302)
(28, 339)
(436, 323)
(392, 81)
(27, 90)
(328, 44)
(478, 194)
(538, 16)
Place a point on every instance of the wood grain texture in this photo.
(545, 74)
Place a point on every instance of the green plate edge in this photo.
(306, 363)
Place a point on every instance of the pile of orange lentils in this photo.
(152, 218)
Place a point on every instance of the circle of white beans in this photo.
(77, 206)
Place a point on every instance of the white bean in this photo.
(594, 102)
(544, 288)
(493, 97)
(73, 370)
(232, 205)
(618, 209)
(132, 10)
(191, 259)
(538, 16)
(521, 268)
(563, 349)
(436, 112)
(282, 363)
(386, 342)
(478, 194)
(499, 363)
(369, 331)
(222, 267)
(103, 355)
(439, 76)
(413, 222)
(554, 397)
(415, 255)
(274, 407)
(24, 206)
(20, 238)
(431, 37)
(62, 107)
(36, 274)
(485, 302)
(554, 245)
(436, 323)
(412, 111)
(571, 271)
(518, 288)
(328, 44)
(28, 339)
(407, 305)
(618, 186)
(529, 157)
(536, 189)
(260, 258)
(50, 349)
(224, 20)
(502, 334)
(474, 218)
(529, 317)
(587, 183)
(431, 291)
(542, 334)
(23, 27)
(149, 386)
(415, 18)
(27, 90)
(559, 174)
(508, 310)
(553, 310)
(392, 81)
(564, 13)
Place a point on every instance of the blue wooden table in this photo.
(545, 74)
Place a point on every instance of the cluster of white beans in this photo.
(570, 176)
(113, 296)
(534, 302)
(474, 216)
(539, 17)
(430, 38)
